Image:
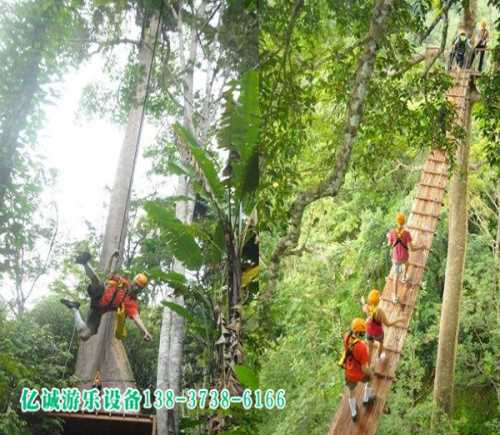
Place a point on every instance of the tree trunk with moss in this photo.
(170, 352)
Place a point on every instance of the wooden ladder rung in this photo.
(400, 303)
(432, 159)
(408, 285)
(458, 96)
(435, 173)
(425, 230)
(391, 350)
(430, 185)
(420, 266)
(384, 376)
(436, 216)
(435, 201)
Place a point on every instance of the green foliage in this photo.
(176, 235)
(317, 297)
(207, 173)
(239, 133)
(247, 377)
(143, 356)
(40, 40)
(180, 310)
(21, 367)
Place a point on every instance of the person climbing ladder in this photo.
(116, 293)
(375, 322)
(401, 242)
(355, 362)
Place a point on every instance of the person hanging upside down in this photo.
(375, 322)
(356, 364)
(400, 240)
(117, 292)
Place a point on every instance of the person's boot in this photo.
(368, 396)
(70, 304)
(354, 409)
(83, 258)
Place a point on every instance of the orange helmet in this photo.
(358, 325)
(400, 218)
(374, 297)
(141, 280)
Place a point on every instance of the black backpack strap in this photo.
(398, 240)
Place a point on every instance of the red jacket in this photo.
(358, 357)
(120, 285)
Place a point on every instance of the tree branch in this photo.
(415, 61)
(444, 36)
(288, 35)
(331, 185)
(444, 12)
(101, 45)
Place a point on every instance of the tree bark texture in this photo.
(450, 310)
(170, 353)
(103, 351)
(331, 185)
(457, 245)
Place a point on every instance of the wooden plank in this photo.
(433, 186)
(420, 266)
(441, 174)
(436, 201)
(425, 214)
(425, 230)
(431, 159)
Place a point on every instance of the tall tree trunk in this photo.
(333, 182)
(103, 351)
(457, 244)
(117, 222)
(170, 353)
(469, 17)
(450, 310)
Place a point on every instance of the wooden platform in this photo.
(422, 223)
(80, 423)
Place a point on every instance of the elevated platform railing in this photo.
(475, 61)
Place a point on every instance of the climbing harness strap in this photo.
(399, 241)
(348, 351)
(121, 330)
(372, 311)
(118, 286)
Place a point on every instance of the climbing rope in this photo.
(69, 349)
